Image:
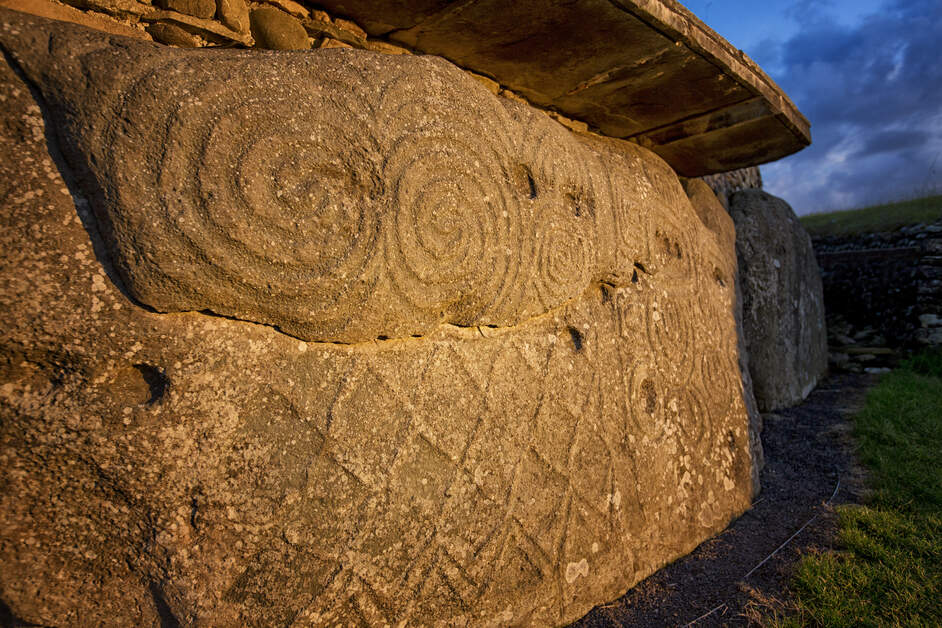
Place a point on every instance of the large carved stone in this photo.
(783, 300)
(570, 418)
(711, 209)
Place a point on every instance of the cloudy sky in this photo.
(867, 73)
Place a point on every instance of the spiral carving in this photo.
(261, 204)
(671, 333)
(450, 247)
(554, 173)
(327, 195)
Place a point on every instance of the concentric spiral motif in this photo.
(626, 195)
(450, 247)
(671, 333)
(329, 196)
(264, 200)
(452, 241)
(690, 411)
(564, 206)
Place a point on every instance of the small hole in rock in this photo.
(525, 181)
(718, 276)
(382, 337)
(634, 276)
(606, 295)
(577, 338)
(650, 396)
(157, 382)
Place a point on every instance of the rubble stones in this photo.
(173, 35)
(204, 9)
(234, 14)
(277, 30)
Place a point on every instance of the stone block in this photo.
(234, 14)
(203, 9)
(172, 35)
(783, 301)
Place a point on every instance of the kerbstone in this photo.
(783, 301)
(164, 465)
(711, 210)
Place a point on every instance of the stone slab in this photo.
(646, 70)
(783, 300)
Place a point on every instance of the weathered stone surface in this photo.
(725, 184)
(234, 14)
(783, 303)
(645, 69)
(328, 30)
(204, 9)
(119, 8)
(497, 228)
(208, 28)
(290, 6)
(163, 469)
(276, 30)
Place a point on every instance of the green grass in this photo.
(886, 217)
(888, 571)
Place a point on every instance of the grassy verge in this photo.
(889, 569)
(886, 217)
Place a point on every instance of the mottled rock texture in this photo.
(568, 418)
(783, 302)
(276, 30)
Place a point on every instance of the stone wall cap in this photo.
(645, 70)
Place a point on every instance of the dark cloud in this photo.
(873, 94)
(892, 141)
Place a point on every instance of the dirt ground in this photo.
(808, 455)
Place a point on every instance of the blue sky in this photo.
(867, 73)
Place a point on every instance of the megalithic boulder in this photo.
(783, 300)
(336, 337)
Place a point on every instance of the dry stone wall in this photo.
(882, 291)
(466, 367)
